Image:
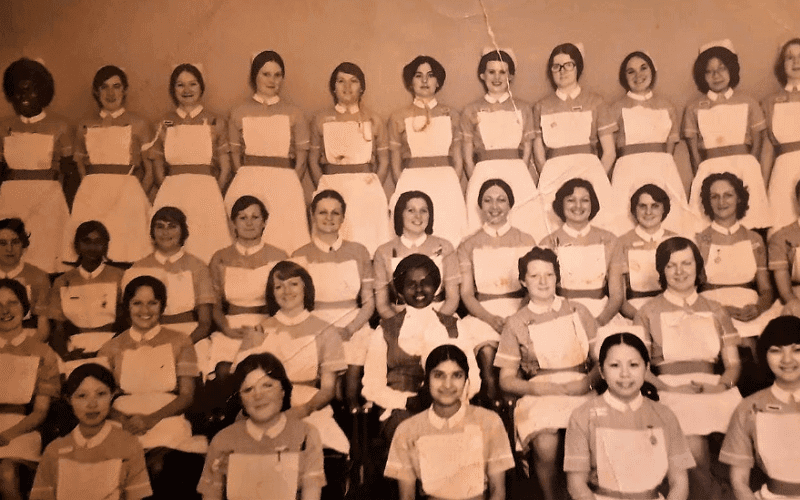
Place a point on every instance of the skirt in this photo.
(739, 297)
(482, 333)
(25, 447)
(355, 349)
(171, 432)
(785, 175)
(700, 414)
(219, 348)
(332, 435)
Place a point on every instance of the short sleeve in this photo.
(450, 263)
(219, 127)
(728, 333)
(40, 293)
(186, 362)
(136, 482)
(674, 134)
(216, 270)
(606, 124)
(331, 352)
(455, 124)
(537, 119)
(235, 139)
(755, 116)
(203, 286)
(577, 452)
(300, 130)
(381, 268)
(678, 453)
(379, 133)
(44, 484)
(311, 470)
(690, 126)
(588, 322)
(469, 121)
(738, 448)
(500, 458)
(759, 250)
(48, 377)
(397, 128)
(64, 141)
(528, 131)
(509, 354)
(212, 480)
(779, 251)
(54, 308)
(365, 269)
(400, 464)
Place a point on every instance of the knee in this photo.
(546, 444)
(9, 478)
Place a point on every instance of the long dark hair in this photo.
(648, 390)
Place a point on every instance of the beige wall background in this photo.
(149, 37)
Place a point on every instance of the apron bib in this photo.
(496, 270)
(582, 267)
(642, 270)
(689, 336)
(188, 145)
(109, 145)
(569, 128)
(435, 140)
(778, 444)
(88, 481)
(500, 129)
(90, 305)
(731, 265)
(263, 477)
(335, 281)
(452, 465)
(148, 369)
(22, 370)
(267, 135)
(25, 151)
(298, 355)
(631, 461)
(724, 125)
(785, 126)
(247, 287)
(347, 143)
(560, 343)
(645, 125)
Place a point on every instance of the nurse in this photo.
(191, 163)
(425, 147)
(784, 261)
(269, 147)
(350, 154)
(34, 145)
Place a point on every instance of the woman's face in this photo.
(290, 294)
(784, 361)
(624, 370)
(496, 77)
(447, 382)
(415, 217)
(649, 212)
(495, 206)
(167, 236)
(91, 402)
(11, 311)
(540, 281)
(269, 79)
(145, 309)
(262, 396)
(92, 247)
(566, 73)
(578, 206)
(424, 84)
(25, 99)
(187, 89)
(681, 271)
(791, 62)
(724, 200)
(718, 77)
(347, 89)
(112, 94)
(419, 288)
(328, 216)
(639, 75)
(10, 248)
(249, 224)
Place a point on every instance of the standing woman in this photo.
(34, 145)
(567, 125)
(425, 147)
(784, 261)
(780, 157)
(497, 130)
(192, 143)
(269, 146)
(350, 154)
(109, 151)
(728, 128)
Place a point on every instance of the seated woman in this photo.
(270, 453)
(29, 381)
(784, 261)
(97, 459)
(620, 444)
(545, 357)
(454, 449)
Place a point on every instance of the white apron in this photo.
(265, 477)
(89, 481)
(778, 442)
(90, 305)
(642, 273)
(786, 171)
(452, 465)
(22, 370)
(583, 267)
(630, 461)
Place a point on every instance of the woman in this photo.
(498, 129)
(454, 449)
(763, 431)
(780, 160)
(14, 243)
(647, 131)
(620, 443)
(110, 148)
(34, 145)
(268, 454)
(413, 224)
(784, 262)
(425, 147)
(156, 369)
(687, 334)
(269, 146)
(568, 125)
(350, 154)
(728, 128)
(30, 381)
(193, 142)
(545, 357)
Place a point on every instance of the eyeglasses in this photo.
(567, 66)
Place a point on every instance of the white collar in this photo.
(292, 320)
(192, 114)
(451, 422)
(409, 243)
(115, 114)
(148, 335)
(326, 247)
(622, 406)
(33, 119)
(574, 232)
(496, 233)
(420, 104)
(715, 95)
(640, 97)
(95, 440)
(680, 301)
(257, 432)
(644, 235)
(247, 251)
(94, 274)
(269, 101)
(496, 100)
(789, 87)
(572, 95)
(783, 394)
(163, 259)
(351, 109)
(14, 272)
(16, 341)
(725, 230)
(555, 306)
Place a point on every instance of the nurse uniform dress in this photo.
(552, 343)
(306, 349)
(454, 457)
(239, 276)
(111, 145)
(269, 132)
(783, 127)
(270, 464)
(28, 368)
(685, 339)
(147, 367)
(37, 286)
(569, 125)
(32, 148)
(732, 257)
(490, 257)
(646, 125)
(765, 431)
(627, 448)
(190, 143)
(498, 128)
(347, 139)
(426, 137)
(108, 465)
(338, 272)
(783, 252)
(724, 125)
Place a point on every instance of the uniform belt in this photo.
(634, 294)
(427, 161)
(711, 286)
(737, 149)
(499, 154)
(684, 367)
(184, 317)
(233, 309)
(639, 495)
(108, 169)
(598, 293)
(336, 304)
(647, 147)
(789, 147)
(581, 368)
(6, 408)
(481, 296)
(267, 161)
(14, 174)
(105, 328)
(582, 149)
(357, 168)
(783, 487)
(190, 169)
